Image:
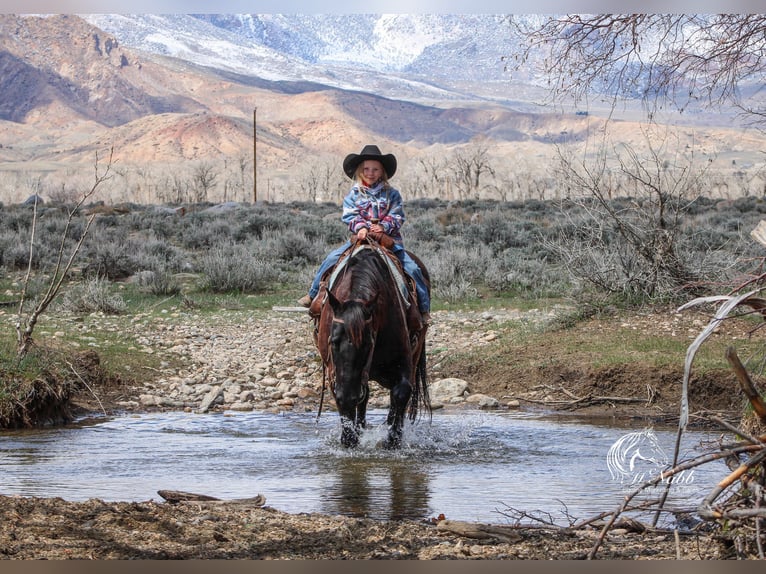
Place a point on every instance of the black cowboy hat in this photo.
(353, 160)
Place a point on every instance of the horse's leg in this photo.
(399, 399)
(350, 428)
(349, 433)
(361, 414)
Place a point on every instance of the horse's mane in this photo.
(353, 316)
(367, 284)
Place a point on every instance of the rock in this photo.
(444, 390)
(241, 406)
(483, 401)
(214, 395)
(147, 400)
(307, 392)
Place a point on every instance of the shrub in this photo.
(158, 282)
(93, 295)
(233, 268)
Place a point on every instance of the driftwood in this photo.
(478, 530)
(747, 385)
(589, 399)
(177, 496)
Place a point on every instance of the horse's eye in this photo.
(336, 335)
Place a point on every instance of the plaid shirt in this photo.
(363, 205)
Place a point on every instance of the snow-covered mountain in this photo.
(168, 92)
(409, 56)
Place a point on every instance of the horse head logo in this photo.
(636, 455)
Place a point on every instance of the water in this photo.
(467, 465)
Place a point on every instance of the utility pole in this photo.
(255, 159)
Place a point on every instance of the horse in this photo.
(365, 332)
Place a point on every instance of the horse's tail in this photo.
(421, 400)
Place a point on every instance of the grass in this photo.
(608, 341)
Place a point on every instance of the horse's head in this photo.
(352, 342)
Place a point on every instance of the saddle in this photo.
(405, 283)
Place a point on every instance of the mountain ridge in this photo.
(152, 88)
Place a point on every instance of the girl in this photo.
(373, 206)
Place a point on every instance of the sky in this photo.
(378, 6)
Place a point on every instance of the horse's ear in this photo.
(334, 303)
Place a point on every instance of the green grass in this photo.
(602, 342)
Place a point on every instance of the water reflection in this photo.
(463, 464)
(362, 487)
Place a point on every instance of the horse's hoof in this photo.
(392, 443)
(349, 441)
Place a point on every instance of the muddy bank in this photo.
(53, 529)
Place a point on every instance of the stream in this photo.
(467, 465)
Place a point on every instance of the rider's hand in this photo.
(377, 228)
(362, 233)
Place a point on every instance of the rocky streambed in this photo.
(269, 362)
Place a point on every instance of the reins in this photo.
(365, 371)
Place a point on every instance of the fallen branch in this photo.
(585, 401)
(179, 496)
(706, 509)
(478, 531)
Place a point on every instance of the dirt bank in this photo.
(33, 528)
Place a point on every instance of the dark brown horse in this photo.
(364, 333)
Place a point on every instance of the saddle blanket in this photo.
(396, 272)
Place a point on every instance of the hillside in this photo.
(70, 92)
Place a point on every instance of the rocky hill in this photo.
(71, 91)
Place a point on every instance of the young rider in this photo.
(373, 206)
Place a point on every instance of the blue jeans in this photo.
(408, 264)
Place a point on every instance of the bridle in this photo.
(330, 367)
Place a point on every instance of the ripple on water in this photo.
(468, 465)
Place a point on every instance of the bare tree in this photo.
(469, 166)
(25, 325)
(631, 245)
(245, 168)
(435, 179)
(204, 180)
(321, 180)
(310, 184)
(679, 58)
